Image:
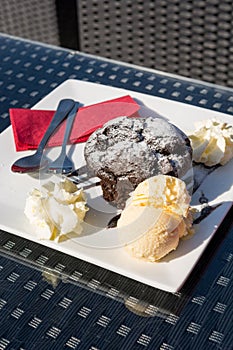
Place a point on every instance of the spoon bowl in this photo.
(30, 164)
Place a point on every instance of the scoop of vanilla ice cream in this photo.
(212, 142)
(162, 191)
(166, 200)
(56, 210)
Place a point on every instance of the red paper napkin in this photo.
(29, 125)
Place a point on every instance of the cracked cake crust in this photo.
(126, 151)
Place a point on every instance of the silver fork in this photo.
(63, 164)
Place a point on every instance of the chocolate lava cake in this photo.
(126, 151)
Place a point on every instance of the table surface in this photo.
(49, 300)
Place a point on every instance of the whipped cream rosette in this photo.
(212, 142)
(57, 210)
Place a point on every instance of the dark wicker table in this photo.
(49, 300)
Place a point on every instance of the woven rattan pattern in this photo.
(30, 19)
(190, 38)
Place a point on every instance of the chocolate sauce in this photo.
(206, 209)
(113, 221)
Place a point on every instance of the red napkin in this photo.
(29, 125)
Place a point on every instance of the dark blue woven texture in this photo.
(83, 311)
(28, 72)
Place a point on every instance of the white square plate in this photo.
(171, 272)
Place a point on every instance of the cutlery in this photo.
(35, 161)
(63, 164)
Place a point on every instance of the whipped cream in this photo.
(57, 210)
(161, 204)
(212, 142)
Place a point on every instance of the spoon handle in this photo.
(62, 111)
(69, 123)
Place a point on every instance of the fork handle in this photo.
(69, 124)
(63, 109)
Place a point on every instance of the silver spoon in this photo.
(63, 164)
(35, 161)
